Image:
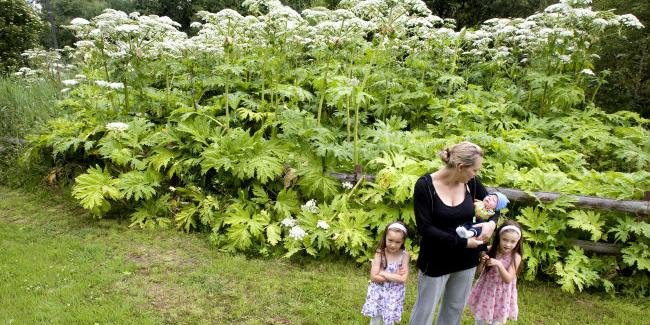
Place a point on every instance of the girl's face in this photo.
(394, 241)
(508, 241)
(469, 172)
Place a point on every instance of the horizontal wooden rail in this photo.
(590, 202)
(641, 208)
(598, 247)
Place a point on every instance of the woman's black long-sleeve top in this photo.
(442, 251)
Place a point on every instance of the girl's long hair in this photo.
(519, 249)
(381, 248)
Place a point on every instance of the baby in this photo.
(482, 210)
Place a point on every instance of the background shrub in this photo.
(19, 31)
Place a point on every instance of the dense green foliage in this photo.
(19, 30)
(236, 129)
(624, 56)
(627, 86)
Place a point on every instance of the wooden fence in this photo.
(640, 208)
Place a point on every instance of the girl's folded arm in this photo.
(375, 269)
(402, 275)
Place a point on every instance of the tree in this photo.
(468, 13)
(19, 30)
(626, 57)
(59, 13)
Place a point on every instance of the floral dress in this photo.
(386, 300)
(493, 300)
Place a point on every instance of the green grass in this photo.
(60, 266)
(24, 105)
(24, 109)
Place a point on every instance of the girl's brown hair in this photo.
(381, 248)
(519, 249)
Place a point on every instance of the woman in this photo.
(442, 201)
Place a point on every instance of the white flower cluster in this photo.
(25, 72)
(79, 22)
(257, 6)
(310, 206)
(117, 126)
(630, 21)
(288, 222)
(347, 185)
(297, 233)
(322, 224)
(111, 85)
(69, 82)
(587, 72)
(44, 63)
(567, 24)
(120, 35)
(116, 36)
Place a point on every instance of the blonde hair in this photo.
(463, 154)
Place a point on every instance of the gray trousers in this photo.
(454, 288)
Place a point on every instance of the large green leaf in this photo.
(94, 189)
(138, 185)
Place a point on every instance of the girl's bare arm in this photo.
(507, 275)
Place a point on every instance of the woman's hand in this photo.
(487, 228)
(473, 242)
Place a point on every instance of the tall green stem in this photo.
(227, 105)
(356, 134)
(321, 101)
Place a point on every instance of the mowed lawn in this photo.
(60, 266)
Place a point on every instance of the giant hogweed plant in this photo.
(235, 130)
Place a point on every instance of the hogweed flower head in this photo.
(630, 21)
(288, 222)
(117, 126)
(79, 22)
(297, 233)
(587, 72)
(310, 206)
(322, 224)
(69, 82)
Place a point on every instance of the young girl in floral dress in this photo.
(494, 297)
(388, 273)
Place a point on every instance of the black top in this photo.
(442, 251)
